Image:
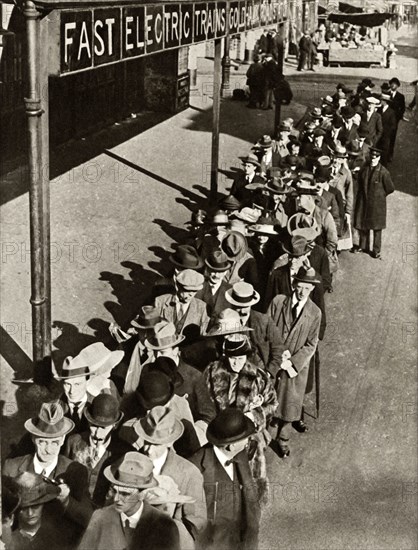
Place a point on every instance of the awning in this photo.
(360, 19)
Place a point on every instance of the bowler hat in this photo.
(164, 336)
(218, 261)
(328, 111)
(299, 247)
(242, 294)
(186, 257)
(34, 490)
(147, 317)
(236, 345)
(327, 100)
(154, 388)
(319, 132)
(133, 470)
(307, 275)
(50, 422)
(347, 112)
(395, 80)
(190, 280)
(167, 366)
(228, 426)
(230, 203)
(103, 411)
(227, 322)
(160, 426)
(362, 131)
(323, 172)
(167, 491)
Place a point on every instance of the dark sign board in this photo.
(99, 36)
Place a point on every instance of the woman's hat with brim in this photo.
(133, 470)
(307, 275)
(167, 492)
(154, 389)
(160, 426)
(34, 490)
(227, 322)
(147, 318)
(242, 295)
(218, 261)
(164, 336)
(167, 366)
(229, 426)
(50, 422)
(186, 257)
(299, 247)
(103, 411)
(91, 360)
(263, 229)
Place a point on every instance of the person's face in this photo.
(318, 141)
(361, 140)
(393, 86)
(284, 135)
(261, 239)
(153, 451)
(249, 168)
(302, 290)
(243, 311)
(185, 296)
(100, 434)
(75, 388)
(296, 262)
(237, 363)
(30, 516)
(374, 160)
(214, 277)
(342, 102)
(370, 107)
(295, 149)
(238, 446)
(173, 353)
(337, 162)
(126, 499)
(357, 119)
(47, 448)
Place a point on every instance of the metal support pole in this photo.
(36, 110)
(226, 68)
(215, 121)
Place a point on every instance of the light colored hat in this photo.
(247, 214)
(50, 422)
(219, 218)
(373, 100)
(190, 280)
(133, 470)
(166, 492)
(250, 159)
(227, 322)
(238, 225)
(165, 336)
(93, 359)
(263, 229)
(303, 225)
(160, 426)
(242, 295)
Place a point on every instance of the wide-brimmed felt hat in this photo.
(34, 490)
(265, 142)
(262, 201)
(229, 426)
(167, 366)
(339, 152)
(247, 214)
(284, 127)
(299, 246)
(304, 225)
(328, 100)
(307, 275)
(242, 295)
(236, 345)
(233, 244)
(265, 226)
(250, 159)
(160, 426)
(190, 280)
(164, 336)
(147, 317)
(238, 225)
(353, 149)
(230, 203)
(310, 125)
(10, 499)
(103, 411)
(186, 257)
(219, 218)
(154, 389)
(93, 359)
(316, 113)
(50, 421)
(227, 322)
(167, 491)
(133, 470)
(277, 187)
(218, 261)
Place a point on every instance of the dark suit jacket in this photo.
(239, 188)
(346, 135)
(155, 531)
(215, 302)
(76, 515)
(81, 424)
(373, 187)
(197, 393)
(374, 126)
(264, 340)
(231, 526)
(390, 124)
(398, 105)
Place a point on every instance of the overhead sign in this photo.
(100, 36)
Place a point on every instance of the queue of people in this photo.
(160, 443)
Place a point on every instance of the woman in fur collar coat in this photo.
(233, 381)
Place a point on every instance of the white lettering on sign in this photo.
(110, 23)
(99, 49)
(220, 20)
(128, 31)
(171, 27)
(233, 18)
(148, 29)
(243, 17)
(209, 23)
(186, 25)
(84, 42)
(197, 21)
(175, 25)
(139, 43)
(158, 23)
(203, 22)
(67, 39)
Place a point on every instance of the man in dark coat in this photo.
(231, 494)
(246, 177)
(398, 105)
(304, 50)
(255, 82)
(372, 120)
(374, 184)
(130, 523)
(72, 507)
(390, 125)
(271, 79)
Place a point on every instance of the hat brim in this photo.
(66, 428)
(95, 422)
(270, 231)
(276, 192)
(230, 299)
(249, 430)
(173, 344)
(70, 376)
(291, 253)
(52, 492)
(177, 433)
(175, 499)
(135, 323)
(311, 282)
(110, 477)
(161, 402)
(249, 161)
(218, 269)
(178, 264)
(224, 332)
